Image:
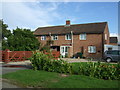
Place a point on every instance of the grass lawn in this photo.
(45, 79)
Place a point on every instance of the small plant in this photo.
(100, 70)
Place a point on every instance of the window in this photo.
(118, 52)
(68, 37)
(105, 36)
(110, 48)
(91, 49)
(43, 37)
(82, 36)
(54, 37)
(113, 52)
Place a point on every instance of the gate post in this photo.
(6, 56)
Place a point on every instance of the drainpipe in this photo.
(72, 41)
(50, 38)
(50, 35)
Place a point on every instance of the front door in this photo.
(64, 51)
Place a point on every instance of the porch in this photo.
(65, 51)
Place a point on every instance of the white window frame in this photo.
(43, 37)
(54, 37)
(82, 36)
(91, 49)
(68, 37)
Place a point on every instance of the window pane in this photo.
(54, 37)
(82, 36)
(68, 37)
(115, 52)
(43, 37)
(91, 49)
(66, 49)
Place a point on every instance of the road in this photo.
(7, 68)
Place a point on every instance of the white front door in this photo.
(63, 50)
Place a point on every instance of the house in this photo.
(71, 39)
(113, 45)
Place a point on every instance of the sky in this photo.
(32, 15)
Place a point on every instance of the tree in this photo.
(23, 39)
(4, 34)
(19, 40)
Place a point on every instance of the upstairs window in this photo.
(68, 37)
(55, 37)
(82, 36)
(91, 49)
(43, 37)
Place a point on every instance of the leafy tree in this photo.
(4, 34)
(23, 39)
(19, 40)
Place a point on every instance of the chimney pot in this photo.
(67, 22)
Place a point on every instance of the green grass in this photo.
(56, 80)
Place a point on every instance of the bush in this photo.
(41, 61)
(100, 70)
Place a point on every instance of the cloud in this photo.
(33, 14)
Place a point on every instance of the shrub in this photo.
(41, 61)
(100, 70)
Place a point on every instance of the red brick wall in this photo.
(61, 40)
(91, 39)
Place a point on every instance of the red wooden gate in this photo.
(8, 55)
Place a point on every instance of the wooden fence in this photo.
(7, 55)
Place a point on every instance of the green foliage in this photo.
(3, 28)
(4, 33)
(46, 47)
(41, 61)
(19, 40)
(49, 42)
(100, 70)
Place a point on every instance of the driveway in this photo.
(71, 60)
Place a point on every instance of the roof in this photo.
(113, 40)
(75, 28)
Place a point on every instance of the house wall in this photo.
(91, 39)
(60, 42)
(106, 31)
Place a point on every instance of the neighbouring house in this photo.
(70, 39)
(113, 45)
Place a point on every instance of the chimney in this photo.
(67, 22)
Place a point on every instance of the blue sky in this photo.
(38, 14)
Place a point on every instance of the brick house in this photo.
(70, 39)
